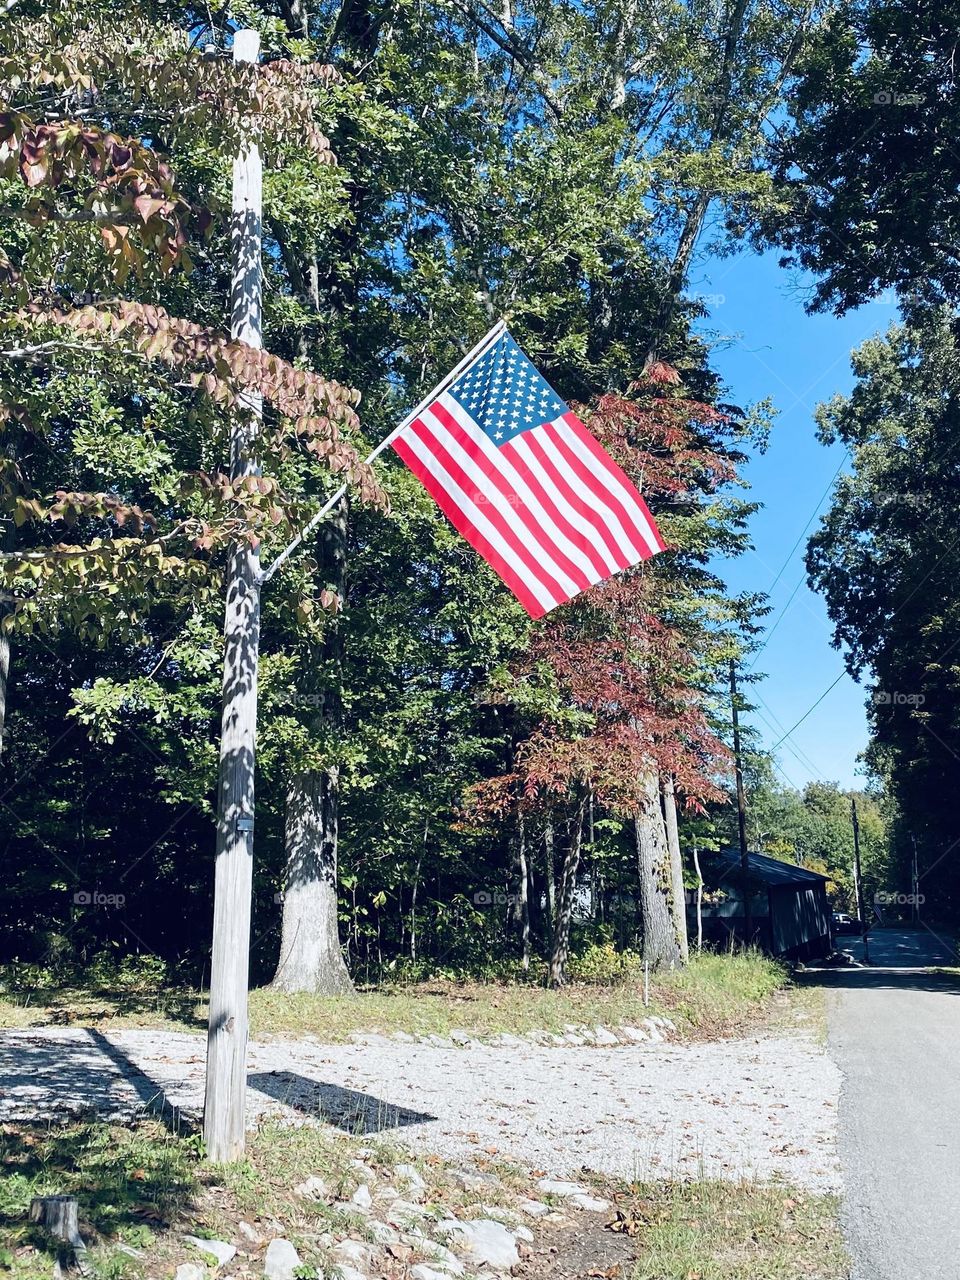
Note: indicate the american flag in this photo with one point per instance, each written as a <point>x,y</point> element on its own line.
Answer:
<point>524,481</point>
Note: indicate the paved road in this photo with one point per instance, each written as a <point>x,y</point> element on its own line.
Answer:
<point>895,1034</point>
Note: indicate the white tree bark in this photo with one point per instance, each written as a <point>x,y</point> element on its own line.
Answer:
<point>310,955</point>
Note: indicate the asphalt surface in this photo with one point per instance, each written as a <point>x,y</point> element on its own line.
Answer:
<point>894,1031</point>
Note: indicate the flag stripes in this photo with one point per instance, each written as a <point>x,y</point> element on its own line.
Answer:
<point>549,510</point>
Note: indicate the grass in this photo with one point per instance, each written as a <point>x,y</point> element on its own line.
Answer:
<point>729,1231</point>
<point>714,995</point>
<point>144,1188</point>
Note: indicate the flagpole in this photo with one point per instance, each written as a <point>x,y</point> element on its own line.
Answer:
<point>474,353</point>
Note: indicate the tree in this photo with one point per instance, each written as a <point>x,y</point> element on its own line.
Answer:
<point>867,173</point>
<point>886,562</point>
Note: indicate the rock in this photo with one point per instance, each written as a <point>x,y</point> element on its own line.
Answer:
<point>572,1038</point>
<point>499,1214</point>
<point>538,1037</point>
<point>387,1195</point>
<point>653,1030</point>
<point>404,1037</point>
<point>422,1272</point>
<point>550,1187</point>
<point>487,1242</point>
<point>218,1249</point>
<point>602,1036</point>
<point>471,1181</point>
<point>250,1234</point>
<point>362,1172</point>
<point>361,1198</point>
<point>592,1204</point>
<point>350,1273</point>
<point>190,1271</point>
<point>441,1042</point>
<point>409,1176</point>
<point>401,1211</point>
<point>534,1208</point>
<point>462,1039</point>
<point>506,1041</point>
<point>524,1234</point>
<point>634,1034</point>
<point>353,1253</point>
<point>586,1034</point>
<point>444,1258</point>
<point>281,1261</point>
<point>383,1233</point>
<point>313,1189</point>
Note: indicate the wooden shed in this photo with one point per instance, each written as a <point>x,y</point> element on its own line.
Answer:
<point>791,912</point>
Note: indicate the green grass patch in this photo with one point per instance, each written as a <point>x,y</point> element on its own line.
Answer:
<point>714,995</point>
<point>733,1231</point>
<point>129,1184</point>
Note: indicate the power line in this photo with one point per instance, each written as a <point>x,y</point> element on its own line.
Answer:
<point>780,616</point>
<point>790,554</point>
<point>813,516</point>
<point>808,712</point>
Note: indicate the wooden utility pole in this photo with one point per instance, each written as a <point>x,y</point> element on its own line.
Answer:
<point>741,811</point>
<point>858,876</point>
<point>226,1085</point>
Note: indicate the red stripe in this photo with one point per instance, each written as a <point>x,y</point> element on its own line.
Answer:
<point>434,442</point>
<point>595,476</point>
<point>539,536</point>
<point>469,531</point>
<point>576,501</point>
<point>607,464</point>
<point>548,496</point>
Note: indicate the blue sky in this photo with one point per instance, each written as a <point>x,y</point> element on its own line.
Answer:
<point>766,345</point>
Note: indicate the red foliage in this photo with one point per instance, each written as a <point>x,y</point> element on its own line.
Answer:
<point>628,703</point>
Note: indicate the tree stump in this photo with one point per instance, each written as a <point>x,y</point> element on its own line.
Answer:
<point>58,1216</point>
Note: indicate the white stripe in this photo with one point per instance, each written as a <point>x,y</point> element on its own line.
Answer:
<point>478,518</point>
<point>541,550</point>
<point>610,519</point>
<point>500,460</point>
<point>614,485</point>
<point>521,446</point>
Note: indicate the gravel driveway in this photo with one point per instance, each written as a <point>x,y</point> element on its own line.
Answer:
<point>762,1107</point>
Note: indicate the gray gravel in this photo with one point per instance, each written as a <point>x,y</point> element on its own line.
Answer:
<point>761,1107</point>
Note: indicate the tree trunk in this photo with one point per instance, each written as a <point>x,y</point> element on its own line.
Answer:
<point>678,902</point>
<point>4,676</point>
<point>564,913</point>
<point>660,947</point>
<point>524,883</point>
<point>551,884</point>
<point>413,893</point>
<point>310,955</point>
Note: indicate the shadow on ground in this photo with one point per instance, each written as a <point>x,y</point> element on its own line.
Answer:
<point>353,1112</point>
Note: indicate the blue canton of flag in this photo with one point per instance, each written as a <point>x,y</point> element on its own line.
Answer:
<point>504,394</point>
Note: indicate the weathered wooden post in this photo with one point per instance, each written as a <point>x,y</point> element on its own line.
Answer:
<point>58,1216</point>
<point>226,1084</point>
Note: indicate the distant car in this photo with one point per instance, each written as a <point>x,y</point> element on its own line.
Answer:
<point>842,923</point>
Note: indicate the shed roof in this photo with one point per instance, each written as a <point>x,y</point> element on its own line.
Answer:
<point>764,869</point>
